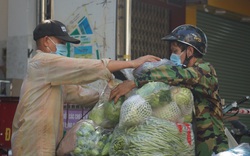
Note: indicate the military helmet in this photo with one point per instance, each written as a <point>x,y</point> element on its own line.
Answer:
<point>190,35</point>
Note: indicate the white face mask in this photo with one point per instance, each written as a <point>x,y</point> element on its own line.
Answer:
<point>61,49</point>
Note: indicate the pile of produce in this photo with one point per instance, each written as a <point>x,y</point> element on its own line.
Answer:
<point>153,137</point>
<point>152,124</point>
<point>171,103</point>
<point>155,120</point>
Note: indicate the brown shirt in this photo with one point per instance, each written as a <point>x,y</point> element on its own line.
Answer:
<point>38,121</point>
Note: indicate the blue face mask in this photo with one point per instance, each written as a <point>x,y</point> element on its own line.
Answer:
<point>176,59</point>
<point>61,49</point>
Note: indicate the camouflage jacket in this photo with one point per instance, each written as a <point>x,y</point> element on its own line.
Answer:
<point>202,80</point>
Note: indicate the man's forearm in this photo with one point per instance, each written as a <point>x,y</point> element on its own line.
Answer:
<point>118,65</point>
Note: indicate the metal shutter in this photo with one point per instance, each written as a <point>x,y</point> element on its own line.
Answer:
<point>150,22</point>
<point>229,53</point>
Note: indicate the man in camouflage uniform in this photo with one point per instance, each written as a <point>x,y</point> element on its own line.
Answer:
<point>188,46</point>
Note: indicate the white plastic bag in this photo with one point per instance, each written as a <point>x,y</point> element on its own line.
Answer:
<point>242,149</point>
<point>231,141</point>
<point>145,67</point>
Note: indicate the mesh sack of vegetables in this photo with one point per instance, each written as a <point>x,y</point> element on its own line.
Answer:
<point>134,110</point>
<point>145,67</point>
<point>85,139</point>
<point>155,93</point>
<point>179,109</point>
<point>168,111</point>
<point>183,97</point>
<point>153,137</point>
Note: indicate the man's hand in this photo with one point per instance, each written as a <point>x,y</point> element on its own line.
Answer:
<point>148,58</point>
<point>122,89</point>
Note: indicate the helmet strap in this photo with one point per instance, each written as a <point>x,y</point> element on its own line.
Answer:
<point>186,61</point>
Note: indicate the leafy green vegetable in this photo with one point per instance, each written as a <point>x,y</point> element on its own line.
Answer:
<point>177,110</point>
<point>97,114</point>
<point>181,95</point>
<point>170,111</point>
<point>77,151</point>
<point>105,150</point>
<point>184,99</point>
<point>156,93</point>
<point>188,118</point>
<point>94,152</point>
<point>88,127</point>
<point>112,111</point>
<point>153,137</point>
<point>91,140</point>
<point>134,110</point>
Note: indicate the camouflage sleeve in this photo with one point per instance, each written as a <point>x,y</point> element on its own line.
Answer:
<point>173,75</point>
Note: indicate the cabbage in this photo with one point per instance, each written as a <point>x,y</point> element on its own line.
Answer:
<point>183,98</point>
<point>176,108</point>
<point>106,114</point>
<point>134,110</point>
<point>181,95</point>
<point>170,111</point>
<point>97,114</point>
<point>188,118</point>
<point>155,93</point>
<point>112,110</point>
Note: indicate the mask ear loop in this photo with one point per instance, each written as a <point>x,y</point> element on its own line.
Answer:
<point>49,47</point>
<point>51,40</point>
